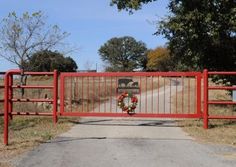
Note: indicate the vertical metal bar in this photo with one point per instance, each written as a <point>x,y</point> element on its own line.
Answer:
<point>62,94</point>
<point>6,107</point>
<point>77,94</point>
<point>170,96</point>
<point>82,99</point>
<point>158,95</point>
<point>99,96</point>
<point>182,95</point>
<point>93,92</point>
<point>10,96</point>
<point>205,113</point>
<point>116,91</point>
<point>140,96</point>
<point>189,95</point>
<point>164,94</point>
<point>198,100</point>
<point>87,94</point>
<point>70,98</point>
<point>152,94</point>
<point>146,95</point>
<point>105,86</point>
<point>111,96</point>
<point>176,96</point>
<point>55,94</point>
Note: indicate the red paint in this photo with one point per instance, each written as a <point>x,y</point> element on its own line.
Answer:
<point>111,110</point>
<point>9,99</point>
<point>55,95</point>
<point>208,102</point>
<point>205,110</point>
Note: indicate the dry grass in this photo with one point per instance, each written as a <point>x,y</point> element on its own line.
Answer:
<point>220,131</point>
<point>27,132</point>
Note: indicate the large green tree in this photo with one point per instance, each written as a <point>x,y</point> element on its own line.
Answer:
<point>124,54</point>
<point>48,61</point>
<point>201,33</point>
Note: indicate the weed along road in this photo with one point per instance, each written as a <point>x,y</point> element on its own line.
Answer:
<point>127,143</point>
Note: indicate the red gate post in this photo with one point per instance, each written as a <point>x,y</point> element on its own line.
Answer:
<point>205,110</point>
<point>6,107</point>
<point>55,94</point>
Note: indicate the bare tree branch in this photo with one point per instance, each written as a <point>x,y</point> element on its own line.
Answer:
<point>20,37</point>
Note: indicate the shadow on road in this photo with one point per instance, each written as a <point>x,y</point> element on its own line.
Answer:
<point>112,122</point>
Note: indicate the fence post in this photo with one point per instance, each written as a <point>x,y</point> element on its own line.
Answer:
<point>6,107</point>
<point>10,82</point>
<point>55,94</point>
<point>205,109</point>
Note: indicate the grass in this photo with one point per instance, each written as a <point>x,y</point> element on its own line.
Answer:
<point>220,131</point>
<point>28,132</point>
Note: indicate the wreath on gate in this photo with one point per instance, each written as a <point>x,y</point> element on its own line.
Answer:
<point>127,108</point>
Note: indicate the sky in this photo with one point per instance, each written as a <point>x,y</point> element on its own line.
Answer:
<point>91,23</point>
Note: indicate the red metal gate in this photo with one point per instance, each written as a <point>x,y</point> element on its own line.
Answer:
<point>160,94</point>
<point>208,88</point>
<point>10,97</point>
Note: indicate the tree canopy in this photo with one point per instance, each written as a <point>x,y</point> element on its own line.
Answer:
<point>21,36</point>
<point>159,60</point>
<point>130,5</point>
<point>124,54</point>
<point>48,61</point>
<point>201,33</point>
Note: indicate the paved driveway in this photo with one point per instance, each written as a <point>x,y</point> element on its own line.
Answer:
<point>127,143</point>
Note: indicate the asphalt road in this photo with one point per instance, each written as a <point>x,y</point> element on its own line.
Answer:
<point>127,143</point>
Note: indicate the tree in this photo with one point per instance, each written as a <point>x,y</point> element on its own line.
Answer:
<point>159,59</point>
<point>201,33</point>
<point>130,5</point>
<point>48,61</point>
<point>20,37</point>
<point>124,54</point>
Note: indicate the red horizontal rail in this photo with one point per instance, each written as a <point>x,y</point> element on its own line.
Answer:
<point>2,86</point>
<point>145,115</point>
<point>18,72</point>
<point>1,100</point>
<point>38,73</point>
<point>32,87</point>
<point>222,88</point>
<point>221,117</point>
<point>31,100</point>
<point>220,102</point>
<point>222,73</point>
<point>32,113</point>
<point>110,74</point>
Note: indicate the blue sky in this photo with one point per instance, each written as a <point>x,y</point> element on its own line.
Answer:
<point>91,24</point>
